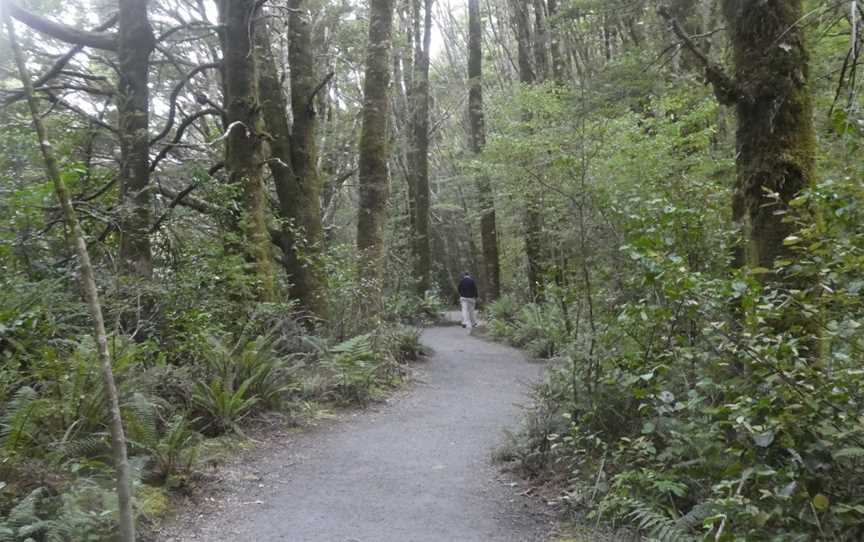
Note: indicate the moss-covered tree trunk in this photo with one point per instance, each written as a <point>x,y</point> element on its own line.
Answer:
<point>418,149</point>
<point>294,163</point>
<point>476,116</point>
<point>135,43</point>
<point>373,139</point>
<point>775,140</point>
<point>244,155</point>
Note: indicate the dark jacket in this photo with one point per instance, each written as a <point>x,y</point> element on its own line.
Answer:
<point>468,288</point>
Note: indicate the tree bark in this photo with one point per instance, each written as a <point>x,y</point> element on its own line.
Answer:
<point>776,140</point>
<point>418,149</point>
<point>532,220</point>
<point>244,155</point>
<point>373,139</point>
<point>91,294</point>
<point>559,67</point>
<point>541,41</point>
<point>135,44</point>
<point>477,121</point>
<point>294,161</point>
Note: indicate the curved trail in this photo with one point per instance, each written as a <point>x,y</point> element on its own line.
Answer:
<point>417,469</point>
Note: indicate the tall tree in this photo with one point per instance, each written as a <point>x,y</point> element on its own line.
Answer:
<point>373,139</point>
<point>91,294</point>
<point>135,44</point>
<point>541,41</point>
<point>244,153</point>
<point>476,117</point>
<point>532,220</point>
<point>775,140</point>
<point>559,67</point>
<point>418,150</point>
<point>295,154</point>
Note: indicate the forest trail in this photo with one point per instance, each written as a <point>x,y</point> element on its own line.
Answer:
<point>418,468</point>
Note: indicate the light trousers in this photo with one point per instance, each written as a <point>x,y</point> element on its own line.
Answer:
<point>469,319</point>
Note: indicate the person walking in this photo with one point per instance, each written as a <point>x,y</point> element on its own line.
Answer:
<point>468,299</point>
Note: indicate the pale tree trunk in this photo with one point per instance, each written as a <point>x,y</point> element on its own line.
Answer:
<point>476,117</point>
<point>418,149</point>
<point>373,175</point>
<point>541,41</point>
<point>559,67</point>
<point>244,155</point>
<point>134,45</point>
<point>91,294</point>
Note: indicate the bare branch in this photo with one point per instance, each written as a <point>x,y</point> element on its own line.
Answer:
<point>98,40</point>
<point>175,92</point>
<point>726,89</point>
<point>179,135</point>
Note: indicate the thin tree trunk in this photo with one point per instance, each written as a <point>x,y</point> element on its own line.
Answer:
<point>559,68</point>
<point>418,150</point>
<point>91,294</point>
<point>373,174</point>
<point>541,41</point>
<point>532,221</point>
<point>476,116</point>
<point>244,155</point>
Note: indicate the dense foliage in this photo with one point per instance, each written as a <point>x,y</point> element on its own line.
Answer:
<point>686,398</point>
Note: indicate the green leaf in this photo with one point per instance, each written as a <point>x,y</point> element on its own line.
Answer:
<point>853,451</point>
<point>821,502</point>
<point>764,439</point>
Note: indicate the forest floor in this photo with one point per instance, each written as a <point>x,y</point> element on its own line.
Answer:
<point>417,467</point>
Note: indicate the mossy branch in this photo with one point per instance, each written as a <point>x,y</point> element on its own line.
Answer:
<point>726,89</point>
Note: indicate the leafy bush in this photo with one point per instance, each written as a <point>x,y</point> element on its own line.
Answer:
<point>403,344</point>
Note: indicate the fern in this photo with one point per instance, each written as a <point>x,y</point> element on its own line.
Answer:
<point>19,423</point>
<point>658,525</point>
<point>353,363</point>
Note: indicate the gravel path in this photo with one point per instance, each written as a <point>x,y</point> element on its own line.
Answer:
<point>417,469</point>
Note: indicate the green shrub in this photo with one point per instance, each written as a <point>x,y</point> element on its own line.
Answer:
<point>403,344</point>
<point>353,364</point>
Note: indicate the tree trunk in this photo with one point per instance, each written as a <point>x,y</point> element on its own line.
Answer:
<point>775,139</point>
<point>532,220</point>
<point>559,68</point>
<point>134,45</point>
<point>476,116</point>
<point>541,41</point>
<point>244,155</point>
<point>91,294</point>
<point>418,149</point>
<point>294,163</point>
<point>373,139</point>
